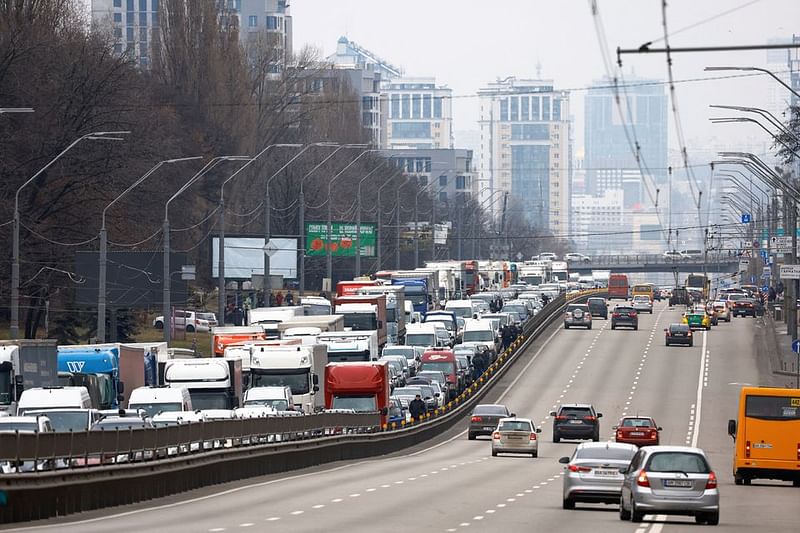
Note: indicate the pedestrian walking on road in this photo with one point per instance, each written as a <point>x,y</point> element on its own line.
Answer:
<point>417,408</point>
<point>279,298</point>
<point>289,298</point>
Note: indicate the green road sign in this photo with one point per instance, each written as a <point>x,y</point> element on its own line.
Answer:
<point>343,239</point>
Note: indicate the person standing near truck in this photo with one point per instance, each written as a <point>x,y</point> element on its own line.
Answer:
<point>417,408</point>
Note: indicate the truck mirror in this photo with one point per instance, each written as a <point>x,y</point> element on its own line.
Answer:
<point>732,428</point>
<point>18,380</point>
<point>120,398</point>
<point>315,379</point>
<point>316,388</point>
<point>121,388</point>
<point>384,411</point>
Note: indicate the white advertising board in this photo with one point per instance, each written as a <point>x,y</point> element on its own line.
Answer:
<point>244,256</point>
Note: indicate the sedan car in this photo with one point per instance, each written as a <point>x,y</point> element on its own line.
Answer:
<point>678,334</point>
<point>576,421</point>
<point>637,430</point>
<point>744,307</point>
<point>642,304</point>
<point>485,418</point>
<point>594,472</point>
<point>515,435</point>
<point>578,315</point>
<point>574,257</point>
<point>624,315</point>
<point>671,480</point>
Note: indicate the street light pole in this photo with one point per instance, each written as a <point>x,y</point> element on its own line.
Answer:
<point>358,214</point>
<point>103,264</point>
<point>380,224</point>
<point>98,135</point>
<point>167,282</point>
<point>397,219</point>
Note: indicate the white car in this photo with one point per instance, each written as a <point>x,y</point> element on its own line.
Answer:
<point>642,304</point>
<point>672,255</point>
<point>574,257</point>
<point>188,320</point>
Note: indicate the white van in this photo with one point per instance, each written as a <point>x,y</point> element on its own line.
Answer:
<point>154,400</point>
<point>462,308</point>
<point>279,398</point>
<point>481,332</point>
<point>39,398</point>
<point>421,335</point>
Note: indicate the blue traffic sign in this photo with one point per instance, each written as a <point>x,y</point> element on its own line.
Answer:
<point>746,218</point>
<point>764,254</point>
<point>796,346</point>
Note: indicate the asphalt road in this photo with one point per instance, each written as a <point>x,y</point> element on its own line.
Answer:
<point>455,485</point>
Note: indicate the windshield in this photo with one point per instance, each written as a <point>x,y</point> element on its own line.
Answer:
<point>690,463</point>
<point>132,423</point>
<point>316,310</point>
<point>519,309</point>
<point>210,399</point>
<point>5,387</point>
<point>344,357</point>
<point>421,339</point>
<point>515,425</point>
<point>448,323</point>
<point>417,299</point>
<point>433,375</point>
<point>19,426</point>
<point>772,407</point>
<point>479,335</point>
<point>464,312</point>
<point>441,366</point>
<point>407,391</point>
<point>359,404</point>
<point>408,353</point>
<point>277,404</point>
<point>296,380</point>
<point>360,321</point>
<point>607,454</point>
<point>490,410</point>
<point>153,409</point>
<point>65,420</point>
<point>636,423</point>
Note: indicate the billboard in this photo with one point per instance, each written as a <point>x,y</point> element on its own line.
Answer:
<point>244,256</point>
<point>343,239</point>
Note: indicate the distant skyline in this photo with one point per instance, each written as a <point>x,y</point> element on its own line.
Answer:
<point>467,44</point>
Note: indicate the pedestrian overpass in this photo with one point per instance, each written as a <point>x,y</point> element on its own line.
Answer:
<point>643,263</point>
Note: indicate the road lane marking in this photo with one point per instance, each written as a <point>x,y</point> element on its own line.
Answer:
<point>699,400</point>
<point>321,505</point>
<point>272,519</point>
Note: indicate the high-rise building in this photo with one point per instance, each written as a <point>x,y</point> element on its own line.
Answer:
<point>525,150</point>
<point>132,23</point>
<point>349,54</point>
<point>445,173</point>
<point>419,114</point>
<point>609,158</point>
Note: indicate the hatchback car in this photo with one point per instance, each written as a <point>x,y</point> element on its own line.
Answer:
<point>598,307</point>
<point>722,310</point>
<point>671,480</point>
<point>578,315</point>
<point>624,315</point>
<point>678,334</point>
<point>594,472</point>
<point>576,421</point>
<point>697,320</point>
<point>515,435</point>
<point>637,430</point>
<point>485,418</point>
<point>642,304</point>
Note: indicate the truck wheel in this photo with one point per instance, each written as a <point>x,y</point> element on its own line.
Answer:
<point>796,483</point>
<point>189,328</point>
<point>470,436</point>
<point>159,325</point>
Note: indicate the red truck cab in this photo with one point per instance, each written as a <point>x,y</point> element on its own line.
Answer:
<point>443,361</point>
<point>363,387</point>
<point>347,288</point>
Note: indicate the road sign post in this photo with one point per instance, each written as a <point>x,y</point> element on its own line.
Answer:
<point>746,218</point>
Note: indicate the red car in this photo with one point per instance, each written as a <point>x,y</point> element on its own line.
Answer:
<point>638,430</point>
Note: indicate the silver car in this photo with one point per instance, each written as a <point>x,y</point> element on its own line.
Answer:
<point>671,480</point>
<point>515,435</point>
<point>594,472</point>
<point>578,315</point>
<point>643,304</point>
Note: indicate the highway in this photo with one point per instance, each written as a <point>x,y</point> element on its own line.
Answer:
<point>453,484</point>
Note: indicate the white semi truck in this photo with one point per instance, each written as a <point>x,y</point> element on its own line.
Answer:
<point>302,368</point>
<point>213,383</point>
<point>358,346</point>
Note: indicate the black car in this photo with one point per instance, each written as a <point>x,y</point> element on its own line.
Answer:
<point>576,421</point>
<point>624,315</point>
<point>484,419</point>
<point>598,307</point>
<point>678,334</point>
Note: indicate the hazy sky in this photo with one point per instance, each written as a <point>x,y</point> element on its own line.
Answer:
<point>467,43</point>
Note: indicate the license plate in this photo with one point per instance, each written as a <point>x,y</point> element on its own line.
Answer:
<point>575,422</point>
<point>636,434</point>
<point>678,334</point>
<point>606,473</point>
<point>678,483</point>
<point>488,428</point>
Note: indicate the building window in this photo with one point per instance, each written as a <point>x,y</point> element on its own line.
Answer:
<point>535,108</point>
<point>525,108</point>
<point>234,5</point>
<point>118,33</point>
<point>154,3</point>
<point>272,23</point>
<point>142,49</point>
<point>416,106</point>
<point>437,107</point>
<point>118,49</point>
<point>530,132</point>
<point>406,108</point>
<point>411,130</point>
<point>426,106</point>
<point>130,18</point>
<point>118,3</point>
<point>143,34</point>
<point>395,106</point>
<point>514,108</point>
<point>461,182</point>
<point>142,19</point>
<point>556,109</point>
<point>118,18</point>
<point>129,5</point>
<point>443,180</point>
<point>442,197</point>
<point>546,108</point>
<point>142,5</point>
<point>504,109</point>
<point>155,18</point>
<point>252,21</point>
<point>129,34</point>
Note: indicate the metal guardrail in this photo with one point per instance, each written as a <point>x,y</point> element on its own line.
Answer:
<point>649,259</point>
<point>60,492</point>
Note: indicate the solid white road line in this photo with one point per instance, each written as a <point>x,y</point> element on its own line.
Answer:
<point>699,401</point>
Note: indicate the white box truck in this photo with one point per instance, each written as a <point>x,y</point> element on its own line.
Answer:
<point>213,383</point>
<point>301,368</point>
<point>351,346</point>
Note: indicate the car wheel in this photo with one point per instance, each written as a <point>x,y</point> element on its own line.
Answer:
<point>636,516</point>
<point>556,438</point>
<point>712,519</point>
<point>623,514</point>
<point>159,325</point>
<point>737,479</point>
<point>613,326</point>
<point>796,483</point>
<point>189,328</point>
<point>636,327</point>
<point>535,454</point>
<point>567,503</point>
<point>471,436</point>
<point>666,343</point>
<point>494,453</point>
<point>566,326</point>
<point>596,437</point>
<point>589,326</point>
<point>691,344</point>
<point>747,480</point>
<point>700,518</point>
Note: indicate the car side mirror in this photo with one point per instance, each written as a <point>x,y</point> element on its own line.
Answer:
<point>614,427</point>
<point>659,428</point>
<point>564,460</point>
<point>732,428</point>
<point>316,388</point>
<point>552,413</point>
<point>666,329</point>
<point>538,430</point>
<point>436,394</point>
<point>599,415</point>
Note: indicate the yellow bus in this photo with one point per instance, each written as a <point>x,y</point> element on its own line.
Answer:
<point>767,435</point>
<point>647,289</point>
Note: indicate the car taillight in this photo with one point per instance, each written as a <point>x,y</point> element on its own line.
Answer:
<point>590,418</point>
<point>653,434</point>
<point>747,449</point>
<point>798,451</point>
<point>689,334</point>
<point>533,436</point>
<point>475,419</point>
<point>615,315</point>
<point>620,435</point>
<point>576,468</point>
<point>642,480</point>
<point>561,418</point>
<point>496,435</point>
<point>632,315</point>
<point>712,481</point>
